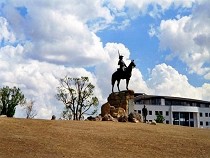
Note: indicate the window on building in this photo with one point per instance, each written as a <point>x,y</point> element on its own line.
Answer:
<point>201,123</point>
<point>166,113</point>
<point>156,101</point>
<point>167,102</point>
<point>177,102</point>
<point>202,105</point>
<point>206,114</point>
<point>207,123</point>
<point>139,111</point>
<point>182,114</point>
<point>198,105</point>
<point>158,112</point>
<point>201,114</point>
<point>176,115</point>
<point>209,114</point>
<point>191,123</point>
<point>191,115</point>
<point>193,104</point>
<point>167,121</point>
<point>150,112</point>
<point>135,111</point>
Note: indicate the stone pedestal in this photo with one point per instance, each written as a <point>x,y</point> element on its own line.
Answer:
<point>119,103</point>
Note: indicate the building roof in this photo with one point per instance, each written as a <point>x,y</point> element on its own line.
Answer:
<point>143,96</point>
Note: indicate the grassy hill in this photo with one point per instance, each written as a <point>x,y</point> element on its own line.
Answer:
<point>22,138</point>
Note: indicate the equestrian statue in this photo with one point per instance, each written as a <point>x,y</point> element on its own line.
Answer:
<point>124,72</point>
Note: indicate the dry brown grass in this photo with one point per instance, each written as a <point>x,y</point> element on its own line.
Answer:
<point>21,138</point>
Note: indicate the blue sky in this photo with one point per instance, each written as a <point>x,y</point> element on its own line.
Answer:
<point>42,41</point>
<point>145,49</point>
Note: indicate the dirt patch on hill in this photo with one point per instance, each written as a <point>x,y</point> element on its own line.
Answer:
<point>45,138</point>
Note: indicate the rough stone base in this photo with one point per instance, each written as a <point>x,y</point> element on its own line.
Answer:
<point>118,104</point>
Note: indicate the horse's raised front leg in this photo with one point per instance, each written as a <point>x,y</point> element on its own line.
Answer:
<point>127,82</point>
<point>118,83</point>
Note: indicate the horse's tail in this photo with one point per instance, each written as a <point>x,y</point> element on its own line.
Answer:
<point>113,80</point>
<point>114,77</point>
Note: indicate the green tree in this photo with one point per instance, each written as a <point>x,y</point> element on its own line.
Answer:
<point>9,99</point>
<point>159,118</point>
<point>77,95</point>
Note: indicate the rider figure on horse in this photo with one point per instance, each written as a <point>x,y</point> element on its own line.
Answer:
<point>122,64</point>
<point>124,72</point>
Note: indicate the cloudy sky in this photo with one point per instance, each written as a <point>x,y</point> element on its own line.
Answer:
<point>42,41</point>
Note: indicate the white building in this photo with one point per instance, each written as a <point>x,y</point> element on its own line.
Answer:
<point>175,110</point>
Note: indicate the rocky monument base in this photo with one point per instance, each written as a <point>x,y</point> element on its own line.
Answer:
<point>119,105</point>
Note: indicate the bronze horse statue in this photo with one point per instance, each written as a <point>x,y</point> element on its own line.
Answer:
<point>118,75</point>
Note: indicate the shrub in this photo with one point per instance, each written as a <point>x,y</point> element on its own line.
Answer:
<point>159,118</point>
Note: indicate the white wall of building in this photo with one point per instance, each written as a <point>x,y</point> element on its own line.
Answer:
<point>201,115</point>
<point>151,111</point>
<point>204,117</point>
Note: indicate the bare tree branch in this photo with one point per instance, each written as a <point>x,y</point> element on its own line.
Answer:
<point>29,109</point>
<point>77,95</point>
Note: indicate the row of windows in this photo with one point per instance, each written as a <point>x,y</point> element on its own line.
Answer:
<point>167,113</point>
<point>207,123</point>
<point>172,102</point>
<point>157,101</point>
<point>185,103</point>
<point>206,114</point>
<point>156,112</point>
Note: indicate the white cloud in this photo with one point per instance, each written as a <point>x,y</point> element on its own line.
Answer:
<point>205,91</point>
<point>56,33</point>
<point>61,32</point>
<point>52,39</point>
<point>117,5</point>
<point>152,31</point>
<point>5,34</point>
<point>105,70</point>
<point>207,76</point>
<point>188,38</point>
<point>134,8</point>
<point>37,80</point>
<point>165,80</point>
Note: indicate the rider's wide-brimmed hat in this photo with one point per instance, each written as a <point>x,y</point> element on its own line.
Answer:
<point>121,56</point>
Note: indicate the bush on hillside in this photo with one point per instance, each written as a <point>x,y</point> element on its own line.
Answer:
<point>159,118</point>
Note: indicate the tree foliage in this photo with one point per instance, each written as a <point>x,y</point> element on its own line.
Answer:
<point>77,95</point>
<point>9,99</point>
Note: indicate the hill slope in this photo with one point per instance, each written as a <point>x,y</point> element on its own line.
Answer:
<point>46,138</point>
